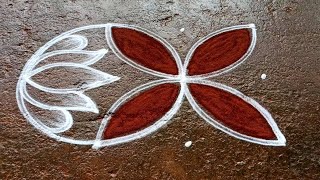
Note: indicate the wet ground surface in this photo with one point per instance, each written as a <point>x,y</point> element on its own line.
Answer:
<point>287,51</point>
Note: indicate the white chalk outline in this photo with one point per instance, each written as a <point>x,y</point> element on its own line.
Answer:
<point>106,78</point>
<point>142,133</point>
<point>181,78</point>
<point>253,33</point>
<point>280,138</point>
<point>77,43</point>
<point>124,58</point>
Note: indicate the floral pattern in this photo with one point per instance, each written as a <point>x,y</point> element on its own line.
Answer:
<point>146,108</point>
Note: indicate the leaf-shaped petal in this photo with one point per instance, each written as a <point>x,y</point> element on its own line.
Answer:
<point>142,110</point>
<point>70,42</point>
<point>96,78</point>
<point>62,122</point>
<point>72,56</point>
<point>74,101</point>
<point>138,113</point>
<point>55,121</point>
<point>143,50</point>
<point>234,113</point>
<point>221,51</point>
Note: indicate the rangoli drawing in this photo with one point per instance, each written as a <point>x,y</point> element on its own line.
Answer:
<point>146,108</point>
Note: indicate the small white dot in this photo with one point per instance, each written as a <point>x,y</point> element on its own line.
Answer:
<point>188,144</point>
<point>182,29</point>
<point>263,76</point>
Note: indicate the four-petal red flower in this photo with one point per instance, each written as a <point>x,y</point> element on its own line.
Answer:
<point>145,109</point>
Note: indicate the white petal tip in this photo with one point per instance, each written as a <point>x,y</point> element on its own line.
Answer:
<point>95,110</point>
<point>108,80</point>
<point>279,142</point>
<point>282,142</point>
<point>104,51</point>
<point>91,108</point>
<point>251,25</point>
<point>281,139</point>
<point>116,78</point>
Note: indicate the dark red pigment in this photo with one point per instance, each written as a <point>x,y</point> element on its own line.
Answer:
<point>232,111</point>
<point>144,50</point>
<point>142,110</point>
<point>219,51</point>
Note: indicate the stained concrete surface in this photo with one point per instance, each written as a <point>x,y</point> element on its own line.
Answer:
<point>287,51</point>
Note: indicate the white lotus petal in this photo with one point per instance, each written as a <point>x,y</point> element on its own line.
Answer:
<point>100,78</point>
<point>70,42</point>
<point>75,101</point>
<point>55,121</point>
<point>89,57</point>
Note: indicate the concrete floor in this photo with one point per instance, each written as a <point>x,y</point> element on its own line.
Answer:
<point>287,51</point>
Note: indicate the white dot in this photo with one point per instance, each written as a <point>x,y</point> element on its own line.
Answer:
<point>263,76</point>
<point>182,29</point>
<point>188,144</point>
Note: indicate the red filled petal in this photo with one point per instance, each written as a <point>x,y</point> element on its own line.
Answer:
<point>144,50</point>
<point>219,51</point>
<point>142,111</point>
<point>232,111</point>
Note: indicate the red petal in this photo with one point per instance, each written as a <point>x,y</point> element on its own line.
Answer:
<point>144,50</point>
<point>142,110</point>
<point>232,111</point>
<point>219,51</point>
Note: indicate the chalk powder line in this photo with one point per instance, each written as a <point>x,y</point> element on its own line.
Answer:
<point>179,81</point>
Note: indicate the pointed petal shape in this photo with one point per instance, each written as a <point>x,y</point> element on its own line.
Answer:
<point>73,101</point>
<point>62,44</point>
<point>72,56</point>
<point>62,123</point>
<point>140,112</point>
<point>70,42</point>
<point>220,51</point>
<point>55,121</point>
<point>234,113</point>
<point>144,50</point>
<point>97,78</point>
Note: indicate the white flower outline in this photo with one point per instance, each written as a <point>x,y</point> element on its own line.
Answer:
<point>78,43</point>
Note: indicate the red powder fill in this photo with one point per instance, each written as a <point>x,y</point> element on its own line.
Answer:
<point>142,110</point>
<point>219,52</point>
<point>232,111</point>
<point>144,50</point>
